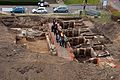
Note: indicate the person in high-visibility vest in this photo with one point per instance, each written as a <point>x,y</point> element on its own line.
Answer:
<point>62,39</point>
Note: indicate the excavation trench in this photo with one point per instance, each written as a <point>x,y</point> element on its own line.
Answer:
<point>29,32</point>
<point>87,45</point>
<point>33,34</point>
<point>30,59</point>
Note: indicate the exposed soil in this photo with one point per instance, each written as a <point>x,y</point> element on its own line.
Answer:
<point>111,30</point>
<point>38,46</point>
<point>18,63</point>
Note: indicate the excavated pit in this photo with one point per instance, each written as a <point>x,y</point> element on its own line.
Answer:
<point>84,41</point>
<point>34,30</point>
<point>19,63</point>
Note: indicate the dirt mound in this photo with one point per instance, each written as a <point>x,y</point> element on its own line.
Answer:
<point>4,34</point>
<point>109,29</point>
<point>55,70</point>
<point>112,31</point>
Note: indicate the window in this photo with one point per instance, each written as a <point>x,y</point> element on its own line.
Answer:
<point>41,9</point>
<point>64,8</point>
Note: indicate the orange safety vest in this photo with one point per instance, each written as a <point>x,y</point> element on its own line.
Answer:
<point>62,35</point>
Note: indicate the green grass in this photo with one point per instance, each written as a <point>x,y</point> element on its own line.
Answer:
<point>90,2</point>
<point>2,14</point>
<point>116,13</point>
<point>18,2</point>
<point>104,18</point>
<point>51,15</point>
<point>24,0</point>
<point>72,15</point>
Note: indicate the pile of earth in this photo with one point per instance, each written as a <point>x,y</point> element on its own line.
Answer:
<point>112,31</point>
<point>17,63</point>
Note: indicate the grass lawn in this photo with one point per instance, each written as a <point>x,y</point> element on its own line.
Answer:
<point>105,17</point>
<point>19,2</point>
<point>23,0</point>
<point>2,14</point>
<point>116,13</point>
<point>90,2</point>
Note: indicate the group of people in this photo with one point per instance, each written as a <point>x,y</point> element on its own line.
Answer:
<point>60,36</point>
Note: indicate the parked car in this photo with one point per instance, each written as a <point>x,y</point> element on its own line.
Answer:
<point>40,10</point>
<point>61,9</point>
<point>43,3</point>
<point>93,12</point>
<point>18,10</point>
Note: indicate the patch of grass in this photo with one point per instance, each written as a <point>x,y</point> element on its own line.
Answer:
<point>72,15</point>
<point>73,1</point>
<point>2,14</point>
<point>90,2</point>
<point>18,2</point>
<point>116,13</point>
<point>51,15</point>
<point>104,18</point>
<point>24,0</point>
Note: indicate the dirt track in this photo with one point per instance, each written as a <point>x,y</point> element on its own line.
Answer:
<point>17,63</point>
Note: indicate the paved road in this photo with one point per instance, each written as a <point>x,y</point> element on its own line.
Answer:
<point>72,8</point>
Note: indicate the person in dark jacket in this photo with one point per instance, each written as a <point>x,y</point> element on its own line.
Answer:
<point>54,21</point>
<point>55,28</point>
<point>86,1</point>
<point>52,28</point>
<point>53,25</point>
<point>57,36</point>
